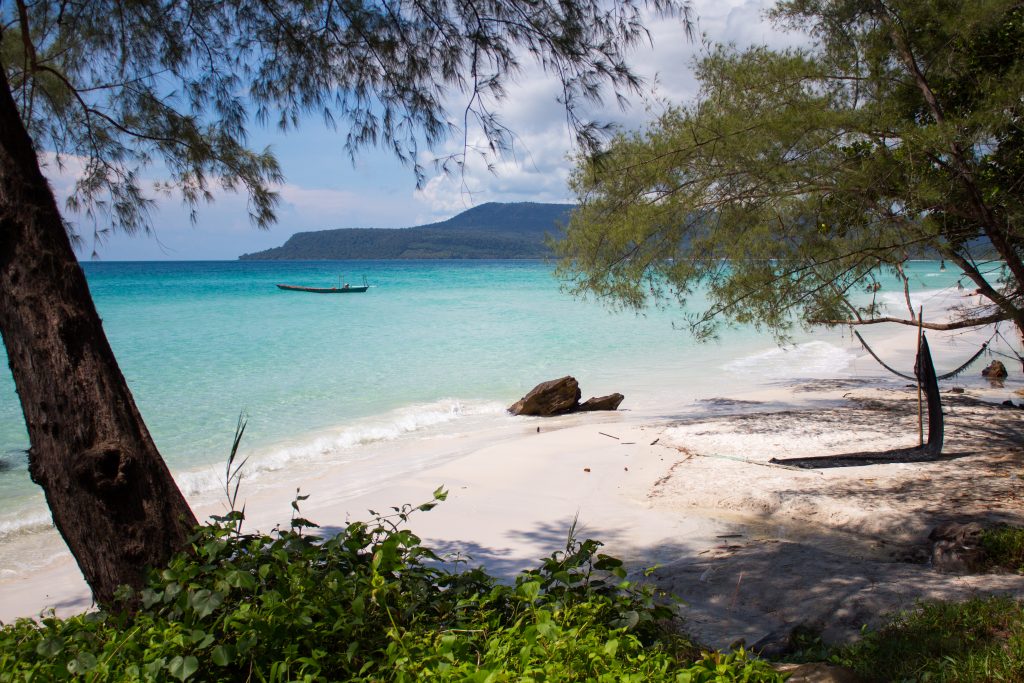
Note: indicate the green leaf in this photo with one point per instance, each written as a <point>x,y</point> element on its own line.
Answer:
<point>124,593</point>
<point>358,606</point>
<point>50,646</point>
<point>627,620</point>
<point>82,663</point>
<point>205,601</point>
<point>240,579</point>
<point>529,590</point>
<point>171,591</point>
<point>607,562</point>
<point>183,667</point>
<point>201,639</point>
<point>153,668</point>
<point>213,548</point>
<point>221,655</point>
<point>150,597</point>
<point>245,644</point>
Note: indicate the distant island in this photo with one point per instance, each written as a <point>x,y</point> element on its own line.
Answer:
<point>488,231</point>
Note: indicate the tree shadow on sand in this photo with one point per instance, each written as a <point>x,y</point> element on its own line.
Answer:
<point>928,451</point>
<point>984,423</point>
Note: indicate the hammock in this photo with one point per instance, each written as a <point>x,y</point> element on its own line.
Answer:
<point>925,371</point>
<point>912,378</point>
<point>930,450</point>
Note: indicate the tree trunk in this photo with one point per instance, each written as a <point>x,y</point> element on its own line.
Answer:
<point>111,494</point>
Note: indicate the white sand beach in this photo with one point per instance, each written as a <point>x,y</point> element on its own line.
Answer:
<point>751,547</point>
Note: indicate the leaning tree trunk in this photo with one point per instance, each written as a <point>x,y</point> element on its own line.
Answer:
<point>111,495</point>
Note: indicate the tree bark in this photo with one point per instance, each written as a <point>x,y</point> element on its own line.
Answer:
<point>110,493</point>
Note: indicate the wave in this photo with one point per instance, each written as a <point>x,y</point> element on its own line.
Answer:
<point>31,522</point>
<point>812,359</point>
<point>415,421</point>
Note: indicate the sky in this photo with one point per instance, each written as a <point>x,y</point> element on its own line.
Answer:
<point>323,189</point>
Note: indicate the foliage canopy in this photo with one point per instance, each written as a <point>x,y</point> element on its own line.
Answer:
<point>798,175</point>
<point>120,85</point>
<point>370,604</point>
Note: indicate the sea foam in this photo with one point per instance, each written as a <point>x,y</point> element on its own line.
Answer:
<point>813,359</point>
<point>26,523</point>
<point>350,442</point>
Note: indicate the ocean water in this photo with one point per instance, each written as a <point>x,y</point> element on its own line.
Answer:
<point>432,350</point>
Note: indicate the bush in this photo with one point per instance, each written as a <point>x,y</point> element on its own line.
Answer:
<point>370,604</point>
<point>1004,547</point>
<point>971,642</point>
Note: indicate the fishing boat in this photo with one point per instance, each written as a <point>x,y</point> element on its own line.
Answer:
<point>340,289</point>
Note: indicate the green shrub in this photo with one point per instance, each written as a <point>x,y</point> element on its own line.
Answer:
<point>369,604</point>
<point>971,642</point>
<point>1004,547</point>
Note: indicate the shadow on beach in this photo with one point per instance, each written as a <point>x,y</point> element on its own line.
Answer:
<point>833,548</point>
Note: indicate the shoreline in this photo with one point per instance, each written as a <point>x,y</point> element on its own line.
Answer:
<point>662,494</point>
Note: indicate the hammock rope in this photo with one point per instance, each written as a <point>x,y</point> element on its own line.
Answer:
<point>963,367</point>
<point>880,361</point>
<point>913,378</point>
<point>1016,356</point>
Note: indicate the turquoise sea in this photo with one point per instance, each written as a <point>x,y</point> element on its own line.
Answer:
<point>432,350</point>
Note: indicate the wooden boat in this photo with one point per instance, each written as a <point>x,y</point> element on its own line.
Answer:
<point>344,289</point>
<point>340,289</point>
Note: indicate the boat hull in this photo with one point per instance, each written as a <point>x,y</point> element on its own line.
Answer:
<point>325,290</point>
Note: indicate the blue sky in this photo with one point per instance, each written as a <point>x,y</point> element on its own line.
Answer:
<point>323,189</point>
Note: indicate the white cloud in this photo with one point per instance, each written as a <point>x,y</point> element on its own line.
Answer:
<point>223,229</point>
<point>324,190</point>
<point>540,167</point>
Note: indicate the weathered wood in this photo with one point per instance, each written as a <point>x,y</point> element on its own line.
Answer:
<point>112,498</point>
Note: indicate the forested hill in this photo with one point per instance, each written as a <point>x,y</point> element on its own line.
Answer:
<point>488,231</point>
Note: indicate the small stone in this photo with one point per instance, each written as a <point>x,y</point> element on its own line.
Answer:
<point>995,370</point>
<point>955,547</point>
<point>586,469</point>
<point>784,640</point>
<point>775,644</point>
<point>956,390</point>
<point>609,402</point>
<point>817,672</point>
<point>955,531</point>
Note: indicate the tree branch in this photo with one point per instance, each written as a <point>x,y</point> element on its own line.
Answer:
<point>953,325</point>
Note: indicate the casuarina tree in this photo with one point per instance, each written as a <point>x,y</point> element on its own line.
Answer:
<point>797,177</point>
<point>115,86</point>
